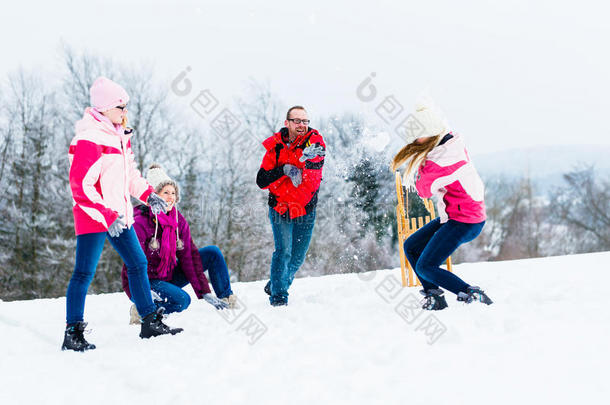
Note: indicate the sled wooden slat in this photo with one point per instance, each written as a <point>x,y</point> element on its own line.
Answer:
<point>403,259</point>
<point>406,227</point>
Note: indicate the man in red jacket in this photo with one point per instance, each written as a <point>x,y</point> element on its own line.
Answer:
<point>292,172</point>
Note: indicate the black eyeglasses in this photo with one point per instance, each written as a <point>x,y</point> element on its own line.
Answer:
<point>121,107</point>
<point>298,121</point>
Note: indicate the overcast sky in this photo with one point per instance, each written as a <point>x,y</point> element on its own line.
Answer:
<point>507,73</point>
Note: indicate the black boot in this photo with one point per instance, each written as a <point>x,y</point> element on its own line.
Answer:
<point>434,300</point>
<point>74,338</point>
<point>152,325</point>
<point>474,293</point>
<point>279,303</point>
<point>268,288</point>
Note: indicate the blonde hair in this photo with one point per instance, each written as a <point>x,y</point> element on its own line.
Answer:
<point>415,154</point>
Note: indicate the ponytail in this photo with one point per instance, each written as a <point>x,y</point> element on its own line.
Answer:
<point>415,154</point>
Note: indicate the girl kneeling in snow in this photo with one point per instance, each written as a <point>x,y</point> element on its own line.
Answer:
<point>173,259</point>
<point>443,169</point>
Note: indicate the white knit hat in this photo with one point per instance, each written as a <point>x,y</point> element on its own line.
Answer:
<point>157,178</point>
<point>429,119</point>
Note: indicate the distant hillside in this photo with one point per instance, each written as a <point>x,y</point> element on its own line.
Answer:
<point>544,164</point>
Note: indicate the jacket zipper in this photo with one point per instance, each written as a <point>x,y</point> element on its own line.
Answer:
<point>124,181</point>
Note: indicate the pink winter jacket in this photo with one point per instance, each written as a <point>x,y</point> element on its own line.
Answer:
<point>103,174</point>
<point>449,174</point>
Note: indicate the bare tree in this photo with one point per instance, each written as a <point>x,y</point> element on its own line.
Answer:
<point>583,206</point>
<point>260,110</point>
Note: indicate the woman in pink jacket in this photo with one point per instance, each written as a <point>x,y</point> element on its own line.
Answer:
<point>103,176</point>
<point>443,169</point>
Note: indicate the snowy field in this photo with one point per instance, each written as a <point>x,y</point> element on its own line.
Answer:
<point>344,339</point>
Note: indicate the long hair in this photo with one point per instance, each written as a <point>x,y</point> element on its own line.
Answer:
<point>415,154</point>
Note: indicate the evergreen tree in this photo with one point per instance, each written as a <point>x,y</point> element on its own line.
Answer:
<point>371,183</point>
<point>416,205</point>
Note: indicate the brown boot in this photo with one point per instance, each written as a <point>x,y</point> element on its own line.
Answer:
<point>232,301</point>
<point>134,316</point>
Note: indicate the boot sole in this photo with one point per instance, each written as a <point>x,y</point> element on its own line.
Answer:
<point>171,332</point>
<point>84,349</point>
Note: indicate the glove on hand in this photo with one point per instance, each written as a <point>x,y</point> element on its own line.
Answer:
<point>312,151</point>
<point>117,227</point>
<point>218,304</point>
<point>294,173</point>
<point>157,204</point>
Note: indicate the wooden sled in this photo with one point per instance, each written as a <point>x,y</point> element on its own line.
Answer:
<point>406,227</point>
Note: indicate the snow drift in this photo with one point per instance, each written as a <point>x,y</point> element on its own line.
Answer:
<point>354,338</point>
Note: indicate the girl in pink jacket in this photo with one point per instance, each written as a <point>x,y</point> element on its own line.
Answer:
<point>103,176</point>
<point>442,169</point>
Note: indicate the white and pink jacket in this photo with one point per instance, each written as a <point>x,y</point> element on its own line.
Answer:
<point>449,174</point>
<point>103,174</point>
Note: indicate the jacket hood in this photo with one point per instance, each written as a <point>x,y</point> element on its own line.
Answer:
<point>93,119</point>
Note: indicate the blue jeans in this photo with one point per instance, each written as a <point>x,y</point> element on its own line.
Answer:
<point>214,262</point>
<point>88,251</point>
<point>291,238</point>
<point>175,299</point>
<point>430,247</point>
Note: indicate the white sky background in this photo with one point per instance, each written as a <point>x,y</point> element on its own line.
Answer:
<point>507,73</point>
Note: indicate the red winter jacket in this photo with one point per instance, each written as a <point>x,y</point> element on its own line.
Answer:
<point>284,197</point>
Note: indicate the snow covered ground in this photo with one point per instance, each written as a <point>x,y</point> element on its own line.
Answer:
<point>343,339</point>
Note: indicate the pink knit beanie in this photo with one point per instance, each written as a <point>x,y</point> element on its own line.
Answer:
<point>106,94</point>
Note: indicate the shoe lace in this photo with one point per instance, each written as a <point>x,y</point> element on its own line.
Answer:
<point>475,294</point>
<point>478,295</point>
<point>428,301</point>
<point>79,334</point>
<point>482,297</point>
<point>158,320</point>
